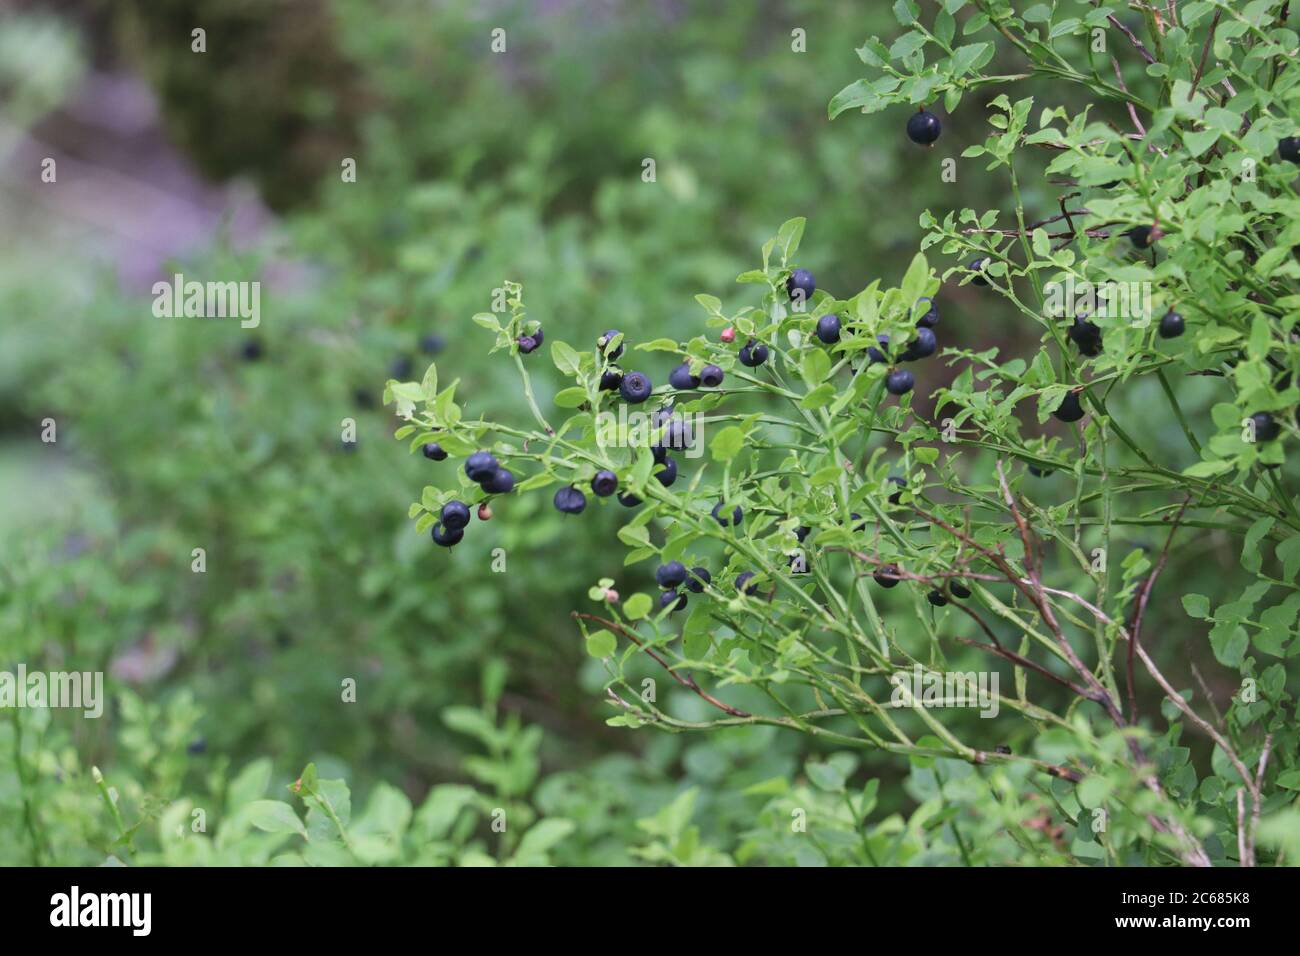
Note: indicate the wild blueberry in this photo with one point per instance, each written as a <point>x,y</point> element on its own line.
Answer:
<point>401,367</point>
<point>1266,429</point>
<point>897,496</point>
<point>931,317</point>
<point>1038,472</point>
<point>958,590</point>
<point>1069,410</point>
<point>977,266</point>
<point>667,472</point>
<point>699,577</point>
<point>711,376</point>
<point>802,533</point>
<point>828,329</point>
<point>196,746</point>
<point>251,351</point>
<point>736,515</point>
<point>635,388</point>
<point>610,379</point>
<point>681,377</point>
<point>1140,236</point>
<point>742,583</point>
<point>727,335</point>
<point>1289,148</point>
<point>628,500</point>
<point>753,354</point>
<point>363,398</point>
<point>431,344</point>
<point>899,382</point>
<point>1002,749</point>
<point>570,500</point>
<point>484,512</point>
<point>936,598</point>
<point>604,484</point>
<point>800,286</point>
<point>879,355</point>
<point>923,128</point>
<point>670,575</point>
<point>527,344</point>
<point>500,482</point>
<point>887,576</point>
<point>923,346</point>
<point>434,451</point>
<point>672,600</point>
<point>1086,335</point>
<point>446,536</point>
<point>454,515</point>
<point>479,465</point>
<point>603,342</point>
<point>537,336</point>
<point>1171,325</point>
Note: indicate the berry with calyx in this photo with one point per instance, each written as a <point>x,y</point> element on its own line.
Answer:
<point>602,343</point>
<point>484,512</point>
<point>923,346</point>
<point>958,590</point>
<point>699,577</point>
<point>479,465</point>
<point>897,496</point>
<point>931,317</point>
<point>742,583</point>
<point>936,598</point>
<point>672,600</point>
<point>635,388</point>
<point>727,335</point>
<point>1141,236</point>
<point>977,266</point>
<point>446,537</point>
<point>570,500</point>
<point>1171,325</point>
<point>753,354</point>
<point>1266,428</point>
<point>670,575</point>
<point>681,377</point>
<point>527,344</point>
<point>628,500</point>
<point>923,128</point>
<point>828,329</point>
<point>454,515</point>
<point>433,450</point>
<point>667,472</point>
<point>1069,410</point>
<point>899,382</point>
<point>431,344</point>
<point>800,286</point>
<point>1289,148</point>
<point>736,515</point>
<point>500,482</point>
<point>610,380</point>
<point>604,484</point>
<point>711,376</point>
<point>887,576</point>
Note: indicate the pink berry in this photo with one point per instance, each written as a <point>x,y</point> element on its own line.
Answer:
<point>728,334</point>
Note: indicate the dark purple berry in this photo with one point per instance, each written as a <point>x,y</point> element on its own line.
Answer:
<point>604,484</point>
<point>434,451</point>
<point>753,354</point>
<point>923,128</point>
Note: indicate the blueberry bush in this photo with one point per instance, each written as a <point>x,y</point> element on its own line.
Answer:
<point>816,529</point>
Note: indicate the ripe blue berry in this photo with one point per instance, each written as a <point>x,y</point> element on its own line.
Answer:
<point>828,329</point>
<point>1038,472</point>
<point>899,382</point>
<point>931,317</point>
<point>401,367</point>
<point>1069,410</point>
<point>886,576</point>
<point>635,388</point>
<point>753,354</point>
<point>667,472</point>
<point>602,343</point>
<point>610,380</point>
<point>699,577</point>
<point>1289,148</point>
<point>454,515</point>
<point>923,346</point>
<point>1086,335</point>
<point>923,128</point>
<point>742,583</point>
<point>736,515</point>
<point>802,534</point>
<point>1171,325</point>
<point>527,344</point>
<point>431,344</point>
<point>681,377</point>
<point>628,500</point>
<point>446,537</point>
<point>604,484</point>
<point>570,500</point>
<point>1140,236</point>
<point>711,376</point>
<point>800,286</point>
<point>479,465</point>
<point>670,575</point>
<point>977,266</point>
<point>500,482</point>
<point>879,355</point>
<point>434,451</point>
<point>251,350</point>
<point>936,598</point>
<point>897,496</point>
<point>672,600</point>
<point>958,590</point>
<point>1266,429</point>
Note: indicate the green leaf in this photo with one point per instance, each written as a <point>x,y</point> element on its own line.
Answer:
<point>1196,605</point>
<point>727,443</point>
<point>571,397</point>
<point>1251,557</point>
<point>601,643</point>
<point>273,816</point>
<point>637,606</point>
<point>816,366</point>
<point>566,359</point>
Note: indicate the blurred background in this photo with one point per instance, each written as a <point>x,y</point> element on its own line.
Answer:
<point>471,167</point>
